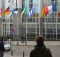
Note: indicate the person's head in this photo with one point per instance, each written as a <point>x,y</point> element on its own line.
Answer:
<point>40,40</point>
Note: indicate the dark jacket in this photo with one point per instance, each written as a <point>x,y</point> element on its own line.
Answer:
<point>2,46</point>
<point>23,38</point>
<point>40,52</point>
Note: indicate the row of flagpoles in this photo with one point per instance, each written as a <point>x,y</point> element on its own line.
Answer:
<point>46,10</point>
<point>7,11</point>
<point>10,9</point>
<point>32,11</point>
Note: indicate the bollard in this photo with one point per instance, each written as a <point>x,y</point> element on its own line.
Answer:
<point>25,42</point>
<point>11,52</point>
<point>9,41</point>
<point>23,53</point>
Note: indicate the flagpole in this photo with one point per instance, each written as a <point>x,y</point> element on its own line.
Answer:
<point>16,3</point>
<point>56,21</point>
<point>56,27</point>
<point>36,24</point>
<point>53,21</point>
<point>17,19</point>
<point>26,27</point>
<point>26,22</point>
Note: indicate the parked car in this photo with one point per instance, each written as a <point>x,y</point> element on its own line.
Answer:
<point>7,46</point>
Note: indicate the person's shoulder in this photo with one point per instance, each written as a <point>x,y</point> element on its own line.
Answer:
<point>33,50</point>
<point>48,50</point>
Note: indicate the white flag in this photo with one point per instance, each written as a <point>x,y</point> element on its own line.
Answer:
<point>33,10</point>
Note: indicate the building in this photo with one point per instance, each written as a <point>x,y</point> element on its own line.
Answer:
<point>10,24</point>
<point>49,26</point>
<point>32,26</point>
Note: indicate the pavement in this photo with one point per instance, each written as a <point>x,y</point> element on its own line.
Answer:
<point>34,43</point>
<point>18,48</point>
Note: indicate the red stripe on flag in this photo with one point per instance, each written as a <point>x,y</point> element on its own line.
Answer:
<point>0,11</point>
<point>46,10</point>
<point>7,11</point>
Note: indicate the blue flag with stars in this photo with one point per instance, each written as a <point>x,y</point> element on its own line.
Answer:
<point>54,7</point>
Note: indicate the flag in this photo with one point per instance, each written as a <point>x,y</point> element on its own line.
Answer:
<point>42,15</point>
<point>45,9</point>
<point>52,8</point>
<point>24,12</point>
<point>15,9</point>
<point>0,11</point>
<point>10,14</point>
<point>48,10</point>
<point>34,15</point>
<point>33,10</point>
<point>6,12</point>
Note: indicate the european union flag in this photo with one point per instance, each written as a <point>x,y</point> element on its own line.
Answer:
<point>54,7</point>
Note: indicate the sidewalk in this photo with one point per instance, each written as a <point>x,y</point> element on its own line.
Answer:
<point>34,43</point>
<point>18,50</point>
<point>11,56</point>
<point>8,55</point>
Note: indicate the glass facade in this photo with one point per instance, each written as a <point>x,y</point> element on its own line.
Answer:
<point>9,22</point>
<point>51,22</point>
<point>34,25</point>
<point>30,25</point>
<point>49,26</point>
<point>5,19</point>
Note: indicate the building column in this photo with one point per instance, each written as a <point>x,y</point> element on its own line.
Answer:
<point>3,18</point>
<point>40,6</point>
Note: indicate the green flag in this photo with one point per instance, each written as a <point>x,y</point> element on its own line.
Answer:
<point>24,11</point>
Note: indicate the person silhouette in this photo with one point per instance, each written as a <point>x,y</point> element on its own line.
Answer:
<point>2,49</point>
<point>40,49</point>
<point>23,39</point>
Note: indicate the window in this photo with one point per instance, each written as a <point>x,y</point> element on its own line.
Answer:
<point>23,4</point>
<point>30,4</point>
<point>11,25</point>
